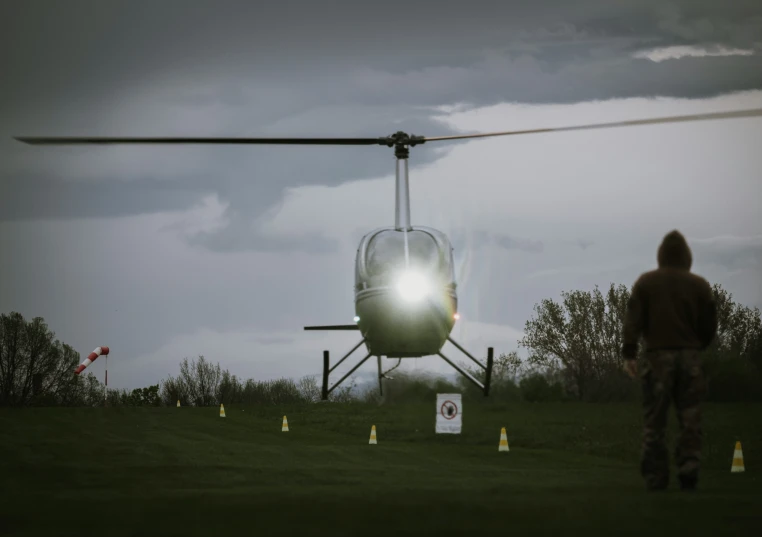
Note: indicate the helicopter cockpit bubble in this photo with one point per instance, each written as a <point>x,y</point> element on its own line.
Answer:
<point>382,261</point>
<point>405,294</point>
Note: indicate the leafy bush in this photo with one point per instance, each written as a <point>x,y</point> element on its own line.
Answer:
<point>537,388</point>
<point>731,379</point>
<point>421,387</point>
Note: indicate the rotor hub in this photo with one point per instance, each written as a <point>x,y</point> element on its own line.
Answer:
<point>401,142</point>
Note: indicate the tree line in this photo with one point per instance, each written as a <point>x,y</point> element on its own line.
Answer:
<point>573,353</point>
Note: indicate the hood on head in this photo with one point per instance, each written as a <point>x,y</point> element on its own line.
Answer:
<point>674,252</point>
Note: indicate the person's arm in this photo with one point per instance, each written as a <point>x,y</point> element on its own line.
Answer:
<point>634,321</point>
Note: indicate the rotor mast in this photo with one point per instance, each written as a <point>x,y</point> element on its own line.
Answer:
<point>402,190</point>
<point>402,142</point>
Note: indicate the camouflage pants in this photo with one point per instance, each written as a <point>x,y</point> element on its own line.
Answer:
<point>671,376</point>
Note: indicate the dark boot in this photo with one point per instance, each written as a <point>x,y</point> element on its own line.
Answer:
<point>656,483</point>
<point>687,483</point>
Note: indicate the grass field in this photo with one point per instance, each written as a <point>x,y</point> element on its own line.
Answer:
<point>571,470</point>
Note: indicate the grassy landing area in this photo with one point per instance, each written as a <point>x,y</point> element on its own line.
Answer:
<point>572,469</point>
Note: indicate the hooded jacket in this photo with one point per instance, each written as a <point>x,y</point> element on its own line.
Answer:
<point>670,307</point>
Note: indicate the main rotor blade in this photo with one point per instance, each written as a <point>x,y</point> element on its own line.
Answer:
<point>334,327</point>
<point>390,141</point>
<point>672,119</point>
<point>74,140</point>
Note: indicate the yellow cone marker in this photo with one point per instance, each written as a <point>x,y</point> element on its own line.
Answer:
<point>737,465</point>
<point>222,410</point>
<point>373,435</point>
<point>503,441</point>
<point>178,403</point>
<point>285,425</point>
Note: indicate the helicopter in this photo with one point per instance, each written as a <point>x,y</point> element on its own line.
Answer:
<point>406,301</point>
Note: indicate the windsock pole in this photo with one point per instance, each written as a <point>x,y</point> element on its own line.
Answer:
<point>105,387</point>
<point>99,351</point>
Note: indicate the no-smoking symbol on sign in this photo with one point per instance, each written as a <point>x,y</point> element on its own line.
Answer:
<point>449,410</point>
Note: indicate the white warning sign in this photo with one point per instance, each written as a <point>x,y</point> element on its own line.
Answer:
<point>449,413</point>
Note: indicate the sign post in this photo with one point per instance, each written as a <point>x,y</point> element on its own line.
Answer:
<point>449,413</point>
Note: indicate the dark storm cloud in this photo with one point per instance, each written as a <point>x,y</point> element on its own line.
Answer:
<point>527,245</point>
<point>314,69</point>
<point>732,253</point>
<point>26,196</point>
<point>465,239</point>
<point>241,235</point>
<point>531,79</point>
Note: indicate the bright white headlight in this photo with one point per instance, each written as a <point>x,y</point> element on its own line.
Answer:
<point>412,286</point>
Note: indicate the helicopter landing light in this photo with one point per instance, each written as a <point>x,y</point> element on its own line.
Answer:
<point>412,286</point>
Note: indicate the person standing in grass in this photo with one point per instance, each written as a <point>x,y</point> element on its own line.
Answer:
<point>674,311</point>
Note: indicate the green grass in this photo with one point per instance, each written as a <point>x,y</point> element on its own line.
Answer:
<point>572,470</point>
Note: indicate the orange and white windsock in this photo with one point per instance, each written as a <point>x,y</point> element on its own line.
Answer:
<point>99,351</point>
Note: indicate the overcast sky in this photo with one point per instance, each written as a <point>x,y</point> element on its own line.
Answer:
<point>168,252</point>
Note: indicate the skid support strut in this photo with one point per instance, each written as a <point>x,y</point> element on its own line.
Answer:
<point>487,368</point>
<point>327,369</point>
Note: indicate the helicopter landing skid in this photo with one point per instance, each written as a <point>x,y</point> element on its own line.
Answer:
<point>327,369</point>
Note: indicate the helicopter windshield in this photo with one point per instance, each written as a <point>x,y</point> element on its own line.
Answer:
<point>386,255</point>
